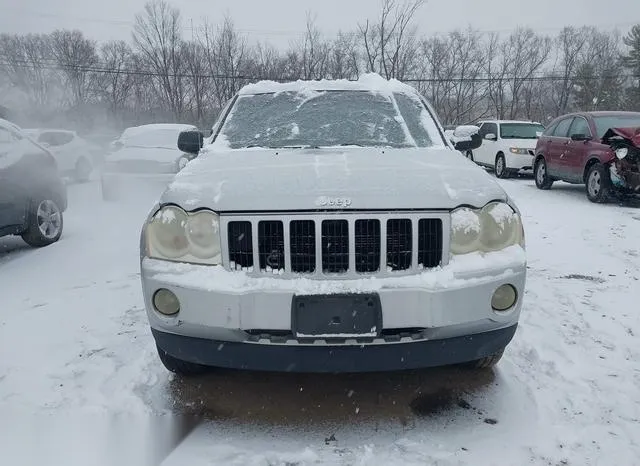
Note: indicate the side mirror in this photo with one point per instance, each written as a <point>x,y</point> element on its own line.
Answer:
<point>580,137</point>
<point>473,143</point>
<point>190,142</point>
<point>491,137</point>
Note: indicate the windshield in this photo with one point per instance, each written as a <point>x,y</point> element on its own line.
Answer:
<point>603,123</point>
<point>328,118</point>
<point>164,138</point>
<point>520,130</point>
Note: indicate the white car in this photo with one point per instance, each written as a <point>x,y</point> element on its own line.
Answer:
<point>74,155</point>
<point>144,155</point>
<point>329,226</point>
<point>508,146</point>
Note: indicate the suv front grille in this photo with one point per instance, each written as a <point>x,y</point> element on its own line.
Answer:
<point>334,244</point>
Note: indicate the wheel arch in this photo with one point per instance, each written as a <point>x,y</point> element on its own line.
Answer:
<point>587,166</point>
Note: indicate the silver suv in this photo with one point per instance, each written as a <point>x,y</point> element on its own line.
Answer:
<point>329,227</point>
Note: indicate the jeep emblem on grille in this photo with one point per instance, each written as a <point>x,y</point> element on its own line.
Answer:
<point>324,201</point>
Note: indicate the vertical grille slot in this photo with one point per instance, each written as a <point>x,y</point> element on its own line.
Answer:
<point>271,245</point>
<point>429,242</point>
<point>302,237</point>
<point>335,246</point>
<point>367,239</point>
<point>240,245</point>
<point>399,244</point>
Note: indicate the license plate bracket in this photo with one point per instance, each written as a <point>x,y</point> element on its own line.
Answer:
<point>336,315</point>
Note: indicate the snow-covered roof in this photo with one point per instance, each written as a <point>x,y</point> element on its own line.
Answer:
<point>134,130</point>
<point>529,122</point>
<point>367,82</point>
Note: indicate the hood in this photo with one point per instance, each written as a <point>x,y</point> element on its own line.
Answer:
<point>632,134</point>
<point>312,179</point>
<point>147,154</point>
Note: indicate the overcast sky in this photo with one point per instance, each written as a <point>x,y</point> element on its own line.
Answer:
<point>280,21</point>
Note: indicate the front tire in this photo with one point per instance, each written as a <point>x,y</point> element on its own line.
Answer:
<point>501,169</point>
<point>541,175</point>
<point>598,184</point>
<point>180,367</point>
<point>44,223</point>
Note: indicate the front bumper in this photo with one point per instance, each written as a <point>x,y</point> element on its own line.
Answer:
<point>439,317</point>
<point>325,358</point>
<point>519,162</point>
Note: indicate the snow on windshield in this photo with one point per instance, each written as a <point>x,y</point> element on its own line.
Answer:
<point>327,118</point>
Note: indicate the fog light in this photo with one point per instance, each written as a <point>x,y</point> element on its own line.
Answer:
<point>166,302</point>
<point>504,298</point>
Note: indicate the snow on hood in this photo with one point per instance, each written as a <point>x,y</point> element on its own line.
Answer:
<point>371,178</point>
<point>155,154</point>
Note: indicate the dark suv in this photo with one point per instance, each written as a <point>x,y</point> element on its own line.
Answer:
<point>32,194</point>
<point>571,149</point>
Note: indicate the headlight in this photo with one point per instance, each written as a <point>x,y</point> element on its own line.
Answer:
<point>492,228</point>
<point>519,150</point>
<point>622,152</point>
<point>175,235</point>
<point>465,231</point>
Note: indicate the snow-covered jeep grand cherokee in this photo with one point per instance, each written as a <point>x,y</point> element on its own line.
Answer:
<point>328,226</point>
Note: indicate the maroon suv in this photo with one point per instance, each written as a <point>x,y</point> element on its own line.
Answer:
<point>571,149</point>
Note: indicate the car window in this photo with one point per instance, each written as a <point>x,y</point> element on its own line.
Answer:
<point>604,123</point>
<point>580,126</point>
<point>562,129</point>
<point>483,130</point>
<point>412,112</point>
<point>55,138</point>
<point>520,130</point>
<point>550,129</point>
<point>320,119</point>
<point>491,128</point>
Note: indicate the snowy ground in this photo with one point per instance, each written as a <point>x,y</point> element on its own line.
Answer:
<point>75,348</point>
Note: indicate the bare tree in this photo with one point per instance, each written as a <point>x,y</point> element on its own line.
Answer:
<point>226,55</point>
<point>600,79</point>
<point>157,36</point>
<point>77,58</point>
<point>117,85</point>
<point>390,44</point>
<point>569,43</point>
<point>28,65</point>
<point>344,57</point>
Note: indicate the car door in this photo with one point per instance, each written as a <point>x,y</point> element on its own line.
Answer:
<point>487,151</point>
<point>12,200</point>
<point>573,161</point>
<point>557,148</point>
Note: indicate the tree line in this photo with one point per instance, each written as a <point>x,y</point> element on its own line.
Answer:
<point>66,78</point>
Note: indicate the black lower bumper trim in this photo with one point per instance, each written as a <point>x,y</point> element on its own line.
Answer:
<point>327,358</point>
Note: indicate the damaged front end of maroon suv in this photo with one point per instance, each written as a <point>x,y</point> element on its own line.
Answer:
<point>625,160</point>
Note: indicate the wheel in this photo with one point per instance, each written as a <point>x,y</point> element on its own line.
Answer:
<point>501,167</point>
<point>469,155</point>
<point>541,175</point>
<point>487,362</point>
<point>82,170</point>
<point>598,184</point>
<point>178,366</point>
<point>44,223</point>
